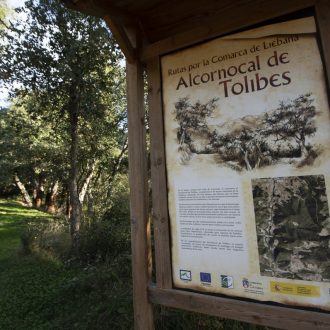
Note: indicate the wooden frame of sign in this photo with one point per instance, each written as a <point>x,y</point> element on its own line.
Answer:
<point>162,292</point>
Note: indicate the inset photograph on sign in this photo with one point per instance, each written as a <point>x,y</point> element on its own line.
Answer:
<point>293,227</point>
<point>246,121</point>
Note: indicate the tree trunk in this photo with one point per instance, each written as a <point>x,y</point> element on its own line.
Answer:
<point>90,204</point>
<point>304,151</point>
<point>247,163</point>
<point>35,192</point>
<point>23,191</point>
<point>51,198</point>
<point>40,193</point>
<point>75,215</point>
<point>257,162</point>
<point>116,167</point>
<point>85,185</point>
<point>67,206</point>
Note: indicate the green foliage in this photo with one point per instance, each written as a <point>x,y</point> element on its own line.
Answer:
<point>102,239</point>
<point>30,145</point>
<point>46,237</point>
<point>61,65</point>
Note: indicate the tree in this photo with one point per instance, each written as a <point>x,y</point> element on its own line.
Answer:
<point>253,141</point>
<point>70,65</point>
<point>191,117</point>
<point>33,150</point>
<point>294,119</point>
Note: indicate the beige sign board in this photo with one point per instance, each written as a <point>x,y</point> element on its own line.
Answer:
<point>247,156</point>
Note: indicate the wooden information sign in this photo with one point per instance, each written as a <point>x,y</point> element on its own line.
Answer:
<point>232,193</point>
<point>247,136</point>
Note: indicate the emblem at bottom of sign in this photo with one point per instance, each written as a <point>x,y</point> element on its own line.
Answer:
<point>227,282</point>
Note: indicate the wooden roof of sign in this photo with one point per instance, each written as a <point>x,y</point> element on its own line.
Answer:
<point>170,24</point>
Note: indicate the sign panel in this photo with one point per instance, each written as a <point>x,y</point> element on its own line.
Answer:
<point>247,156</point>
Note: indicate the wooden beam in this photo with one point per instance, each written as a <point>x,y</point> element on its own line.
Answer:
<point>99,9</point>
<point>122,38</point>
<point>140,224</point>
<point>322,10</point>
<point>266,315</point>
<point>158,178</point>
<point>224,23</point>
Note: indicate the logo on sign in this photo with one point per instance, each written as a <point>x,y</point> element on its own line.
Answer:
<point>227,282</point>
<point>205,277</point>
<point>185,275</point>
<point>245,283</point>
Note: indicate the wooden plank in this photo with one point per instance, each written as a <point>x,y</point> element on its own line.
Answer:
<point>99,8</point>
<point>226,22</point>
<point>140,224</point>
<point>158,179</point>
<point>162,21</point>
<point>258,313</point>
<point>322,10</point>
<point>159,20</point>
<point>121,37</point>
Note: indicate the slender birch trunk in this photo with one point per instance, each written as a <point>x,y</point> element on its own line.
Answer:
<point>23,191</point>
<point>86,183</point>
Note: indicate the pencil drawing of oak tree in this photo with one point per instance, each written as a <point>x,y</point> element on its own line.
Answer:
<point>250,142</point>
<point>294,119</point>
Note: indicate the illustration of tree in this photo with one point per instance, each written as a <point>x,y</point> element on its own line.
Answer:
<point>247,148</point>
<point>191,117</point>
<point>249,142</point>
<point>294,119</point>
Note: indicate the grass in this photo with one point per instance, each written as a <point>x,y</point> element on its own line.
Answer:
<point>12,219</point>
<point>27,282</point>
<point>37,291</point>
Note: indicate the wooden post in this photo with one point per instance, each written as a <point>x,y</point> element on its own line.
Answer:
<point>140,224</point>
<point>158,179</point>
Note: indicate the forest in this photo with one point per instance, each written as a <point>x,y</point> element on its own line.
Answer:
<point>65,249</point>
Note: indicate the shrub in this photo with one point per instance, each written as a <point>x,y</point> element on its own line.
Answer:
<point>108,237</point>
<point>50,236</point>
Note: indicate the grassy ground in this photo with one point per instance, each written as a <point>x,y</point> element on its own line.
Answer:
<point>38,291</point>
<point>12,218</point>
<point>27,282</point>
